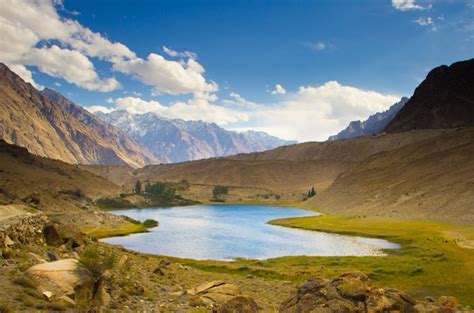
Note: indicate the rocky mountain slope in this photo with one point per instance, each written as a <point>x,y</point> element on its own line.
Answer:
<point>445,99</point>
<point>371,126</point>
<point>178,140</point>
<point>46,184</point>
<point>50,125</point>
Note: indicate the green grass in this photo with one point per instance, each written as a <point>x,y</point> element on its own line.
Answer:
<point>122,230</point>
<point>430,262</point>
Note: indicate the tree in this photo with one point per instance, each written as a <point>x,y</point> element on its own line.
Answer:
<point>138,187</point>
<point>219,190</point>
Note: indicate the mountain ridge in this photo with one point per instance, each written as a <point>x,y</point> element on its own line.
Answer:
<point>372,125</point>
<point>49,125</point>
<point>177,140</point>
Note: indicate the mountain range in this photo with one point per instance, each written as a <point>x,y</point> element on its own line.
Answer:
<point>49,125</point>
<point>371,126</point>
<point>176,140</point>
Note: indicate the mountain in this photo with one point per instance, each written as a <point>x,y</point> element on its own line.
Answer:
<point>177,140</point>
<point>49,125</point>
<point>445,99</point>
<point>49,185</point>
<point>371,126</point>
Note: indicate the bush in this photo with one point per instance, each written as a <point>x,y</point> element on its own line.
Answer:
<point>97,263</point>
<point>114,203</point>
<point>24,282</point>
<point>218,191</point>
<point>149,223</point>
<point>5,307</point>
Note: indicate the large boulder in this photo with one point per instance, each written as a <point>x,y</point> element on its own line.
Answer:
<point>61,277</point>
<point>239,304</point>
<point>51,235</point>
<point>351,292</point>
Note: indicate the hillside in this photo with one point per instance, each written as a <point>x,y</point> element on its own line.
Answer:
<point>371,126</point>
<point>49,125</point>
<point>178,140</point>
<point>430,179</point>
<point>445,99</point>
<point>46,184</point>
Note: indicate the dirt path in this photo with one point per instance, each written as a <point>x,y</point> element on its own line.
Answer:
<point>12,210</point>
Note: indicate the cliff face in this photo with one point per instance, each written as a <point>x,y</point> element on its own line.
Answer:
<point>445,99</point>
<point>49,125</point>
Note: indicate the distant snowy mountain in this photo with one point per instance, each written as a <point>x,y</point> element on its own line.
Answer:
<point>373,125</point>
<point>176,140</point>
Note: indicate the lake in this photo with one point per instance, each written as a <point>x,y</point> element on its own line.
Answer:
<point>226,232</point>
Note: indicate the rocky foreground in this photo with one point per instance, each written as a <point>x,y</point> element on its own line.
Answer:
<point>53,266</point>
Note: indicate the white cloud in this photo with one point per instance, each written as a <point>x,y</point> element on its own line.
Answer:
<point>25,74</point>
<point>167,76</point>
<point>406,5</point>
<point>99,108</point>
<point>424,21</point>
<point>109,100</point>
<point>278,90</point>
<point>174,54</point>
<point>26,27</point>
<point>316,112</point>
<point>239,102</point>
<point>197,108</point>
<point>70,65</point>
<point>34,34</point>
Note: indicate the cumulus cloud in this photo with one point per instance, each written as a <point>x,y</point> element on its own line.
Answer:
<point>279,90</point>
<point>239,102</point>
<point>406,5</point>
<point>33,34</point>
<point>316,112</point>
<point>25,26</point>
<point>424,21</point>
<point>167,76</point>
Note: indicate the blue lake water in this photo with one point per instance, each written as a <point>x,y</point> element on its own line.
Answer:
<point>226,232</point>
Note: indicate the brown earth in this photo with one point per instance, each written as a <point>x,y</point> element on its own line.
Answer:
<point>46,184</point>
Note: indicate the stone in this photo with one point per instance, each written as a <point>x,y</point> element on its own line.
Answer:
<point>215,292</point>
<point>239,304</point>
<point>61,277</point>
<point>159,271</point>
<point>47,295</point>
<point>122,261</point>
<point>164,263</point>
<point>348,293</point>
<point>65,302</point>
<point>448,302</point>
<point>51,235</point>
<point>52,256</point>
<point>37,258</point>
<point>7,242</point>
<point>72,236</point>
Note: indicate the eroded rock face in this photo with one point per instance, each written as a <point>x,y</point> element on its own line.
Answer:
<point>351,292</point>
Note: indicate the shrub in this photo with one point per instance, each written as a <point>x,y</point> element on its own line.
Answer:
<point>24,282</point>
<point>149,223</point>
<point>97,263</point>
<point>5,307</point>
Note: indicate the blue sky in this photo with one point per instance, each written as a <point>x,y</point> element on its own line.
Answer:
<point>334,61</point>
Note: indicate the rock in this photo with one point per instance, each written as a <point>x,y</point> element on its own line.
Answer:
<point>61,277</point>
<point>215,292</point>
<point>101,297</point>
<point>47,295</point>
<point>52,256</point>
<point>7,242</point>
<point>164,263</point>
<point>72,236</point>
<point>448,302</point>
<point>122,261</point>
<point>348,293</point>
<point>65,302</point>
<point>239,304</point>
<point>159,271</point>
<point>51,235</point>
<point>37,258</point>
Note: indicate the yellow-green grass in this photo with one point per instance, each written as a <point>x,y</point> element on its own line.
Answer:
<point>120,230</point>
<point>430,262</point>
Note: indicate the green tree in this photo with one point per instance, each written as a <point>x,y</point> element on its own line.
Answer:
<point>138,187</point>
<point>220,190</point>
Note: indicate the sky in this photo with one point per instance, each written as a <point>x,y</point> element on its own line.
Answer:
<point>299,70</point>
